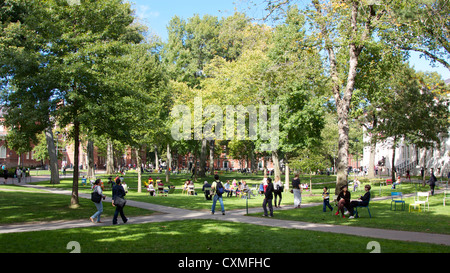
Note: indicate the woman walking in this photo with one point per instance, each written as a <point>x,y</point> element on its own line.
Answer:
<point>97,190</point>
<point>278,189</point>
<point>297,191</point>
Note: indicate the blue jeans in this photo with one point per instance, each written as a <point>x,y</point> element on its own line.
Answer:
<point>213,209</point>
<point>326,203</point>
<point>99,207</point>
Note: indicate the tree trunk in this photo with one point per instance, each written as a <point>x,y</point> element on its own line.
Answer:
<point>343,100</point>
<point>286,179</point>
<point>211,156</point>
<point>393,169</point>
<point>265,167</point>
<point>90,156</point>
<point>276,164</point>
<point>156,158</point>
<point>54,171</point>
<point>138,164</point>
<point>169,164</point>
<point>203,159</point>
<point>371,168</point>
<point>110,158</point>
<point>74,202</point>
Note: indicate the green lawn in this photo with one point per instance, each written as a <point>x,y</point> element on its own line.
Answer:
<point>200,236</point>
<point>22,207</point>
<point>436,220</point>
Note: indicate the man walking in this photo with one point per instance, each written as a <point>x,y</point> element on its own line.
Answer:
<point>268,198</point>
<point>217,187</point>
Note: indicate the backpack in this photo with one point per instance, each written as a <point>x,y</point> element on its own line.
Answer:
<point>219,189</point>
<point>95,197</point>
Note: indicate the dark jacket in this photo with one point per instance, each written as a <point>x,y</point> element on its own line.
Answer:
<point>432,180</point>
<point>296,183</point>
<point>365,199</point>
<point>269,191</point>
<point>118,191</point>
<point>345,196</point>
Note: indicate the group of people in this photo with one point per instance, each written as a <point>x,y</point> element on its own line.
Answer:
<point>153,186</point>
<point>344,201</point>
<point>118,201</point>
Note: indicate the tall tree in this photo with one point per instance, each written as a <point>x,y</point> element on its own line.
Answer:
<point>341,29</point>
<point>75,49</point>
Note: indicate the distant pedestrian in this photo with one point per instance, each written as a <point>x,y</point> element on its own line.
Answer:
<point>118,201</point>
<point>268,197</point>
<point>19,174</point>
<point>99,205</point>
<point>5,173</point>
<point>218,189</point>
<point>432,182</point>
<point>296,189</point>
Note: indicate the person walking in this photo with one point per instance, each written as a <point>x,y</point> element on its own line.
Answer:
<point>278,189</point>
<point>118,201</point>
<point>218,189</point>
<point>432,182</point>
<point>326,199</point>
<point>297,191</point>
<point>268,198</point>
<point>99,205</point>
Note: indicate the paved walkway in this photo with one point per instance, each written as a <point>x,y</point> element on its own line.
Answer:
<point>175,214</point>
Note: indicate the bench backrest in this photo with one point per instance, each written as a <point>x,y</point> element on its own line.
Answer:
<point>423,194</point>
<point>396,195</point>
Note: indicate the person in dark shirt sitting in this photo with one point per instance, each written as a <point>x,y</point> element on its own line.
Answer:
<point>363,201</point>
<point>343,200</point>
<point>206,188</point>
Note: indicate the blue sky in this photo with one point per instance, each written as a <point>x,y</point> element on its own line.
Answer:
<point>156,14</point>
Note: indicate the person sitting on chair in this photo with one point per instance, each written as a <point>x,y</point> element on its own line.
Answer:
<point>208,194</point>
<point>396,183</point>
<point>363,201</point>
<point>151,189</point>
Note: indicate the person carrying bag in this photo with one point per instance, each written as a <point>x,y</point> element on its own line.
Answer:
<point>118,194</point>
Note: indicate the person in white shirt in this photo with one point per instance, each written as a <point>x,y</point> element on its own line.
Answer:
<point>278,189</point>
<point>151,189</point>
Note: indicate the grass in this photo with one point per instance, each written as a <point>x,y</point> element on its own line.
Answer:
<point>25,207</point>
<point>436,220</point>
<point>201,236</point>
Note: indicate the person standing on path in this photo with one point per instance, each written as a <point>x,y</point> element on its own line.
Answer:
<point>218,189</point>
<point>118,194</point>
<point>432,182</point>
<point>268,198</point>
<point>297,191</point>
<point>278,189</point>
<point>99,206</point>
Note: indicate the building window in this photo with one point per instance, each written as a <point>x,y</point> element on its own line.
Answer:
<point>2,152</point>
